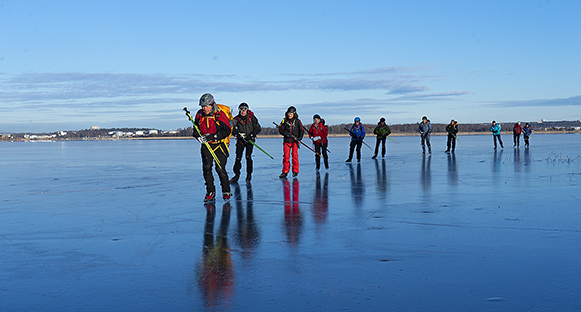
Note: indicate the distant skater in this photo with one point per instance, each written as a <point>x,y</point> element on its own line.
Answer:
<point>357,133</point>
<point>215,129</point>
<point>381,131</point>
<point>452,129</point>
<point>245,127</point>
<point>495,129</point>
<point>291,128</point>
<point>516,131</point>
<point>527,131</point>
<point>425,129</point>
<point>318,132</point>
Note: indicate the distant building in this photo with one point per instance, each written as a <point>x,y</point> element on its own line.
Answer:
<point>139,132</point>
<point>94,127</point>
<point>152,131</point>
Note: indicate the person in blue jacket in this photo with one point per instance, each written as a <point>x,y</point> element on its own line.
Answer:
<point>495,129</point>
<point>357,133</point>
<point>425,129</point>
<point>527,131</point>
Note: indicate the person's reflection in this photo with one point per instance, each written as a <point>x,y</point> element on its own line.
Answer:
<point>357,187</point>
<point>321,201</point>
<point>452,172</point>
<point>292,214</point>
<point>382,183</point>
<point>247,235</point>
<point>496,161</point>
<point>528,162</point>
<point>426,174</point>
<point>216,271</point>
<point>517,161</point>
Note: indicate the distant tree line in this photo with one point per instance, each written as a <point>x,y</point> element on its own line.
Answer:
<point>338,129</point>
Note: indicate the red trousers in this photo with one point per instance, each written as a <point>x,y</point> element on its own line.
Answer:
<point>289,148</point>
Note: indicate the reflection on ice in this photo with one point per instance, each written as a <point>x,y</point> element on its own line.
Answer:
<point>381,177</point>
<point>357,185</point>
<point>426,177</point>
<point>247,234</point>
<point>452,170</point>
<point>216,270</point>
<point>321,200</point>
<point>293,219</point>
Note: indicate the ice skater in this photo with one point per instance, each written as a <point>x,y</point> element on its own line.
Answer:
<point>381,132</point>
<point>245,127</point>
<point>425,130</point>
<point>357,133</point>
<point>516,131</point>
<point>527,131</point>
<point>318,133</point>
<point>495,129</point>
<point>452,129</point>
<point>291,128</point>
<point>212,130</point>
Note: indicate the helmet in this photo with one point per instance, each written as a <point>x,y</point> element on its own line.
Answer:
<point>206,99</point>
<point>357,119</point>
<point>382,119</point>
<point>453,120</point>
<point>316,116</point>
<point>425,118</point>
<point>243,105</point>
<point>291,109</point>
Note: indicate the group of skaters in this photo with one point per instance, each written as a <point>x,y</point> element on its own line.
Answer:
<point>214,124</point>
<point>517,130</point>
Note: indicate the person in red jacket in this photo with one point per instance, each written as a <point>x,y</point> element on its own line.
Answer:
<point>516,131</point>
<point>215,127</point>
<point>318,133</point>
<point>292,129</point>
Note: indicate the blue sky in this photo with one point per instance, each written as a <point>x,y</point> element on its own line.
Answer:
<point>67,65</point>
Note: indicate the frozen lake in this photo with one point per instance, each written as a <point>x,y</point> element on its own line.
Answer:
<point>120,226</point>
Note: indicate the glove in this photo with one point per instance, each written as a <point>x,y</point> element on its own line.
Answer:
<point>241,136</point>
<point>206,138</point>
<point>317,138</point>
<point>252,137</point>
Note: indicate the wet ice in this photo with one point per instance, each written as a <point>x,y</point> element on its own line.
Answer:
<point>116,225</point>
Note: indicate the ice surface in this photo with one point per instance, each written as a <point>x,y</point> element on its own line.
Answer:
<point>120,225</point>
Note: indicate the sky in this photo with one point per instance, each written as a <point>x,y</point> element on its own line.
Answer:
<point>69,65</point>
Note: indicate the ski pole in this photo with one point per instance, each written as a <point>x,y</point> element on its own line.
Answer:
<point>456,137</point>
<point>361,141</point>
<point>328,151</point>
<point>294,138</point>
<point>387,136</point>
<point>200,133</point>
<point>260,149</point>
<point>244,139</point>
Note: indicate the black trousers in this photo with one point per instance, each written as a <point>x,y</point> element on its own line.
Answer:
<point>221,152</point>
<point>352,147</point>
<point>526,138</point>
<point>426,140</point>
<point>516,138</point>
<point>451,142</point>
<point>240,146</point>
<point>379,140</point>
<point>322,150</point>
<point>497,137</point>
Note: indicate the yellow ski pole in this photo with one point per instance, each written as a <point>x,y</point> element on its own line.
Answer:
<point>200,133</point>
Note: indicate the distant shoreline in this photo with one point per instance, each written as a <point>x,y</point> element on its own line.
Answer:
<point>270,136</point>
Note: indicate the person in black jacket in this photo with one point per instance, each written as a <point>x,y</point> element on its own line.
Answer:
<point>452,129</point>
<point>245,127</point>
<point>292,129</point>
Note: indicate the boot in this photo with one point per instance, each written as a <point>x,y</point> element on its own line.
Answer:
<point>248,177</point>
<point>283,175</point>
<point>210,197</point>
